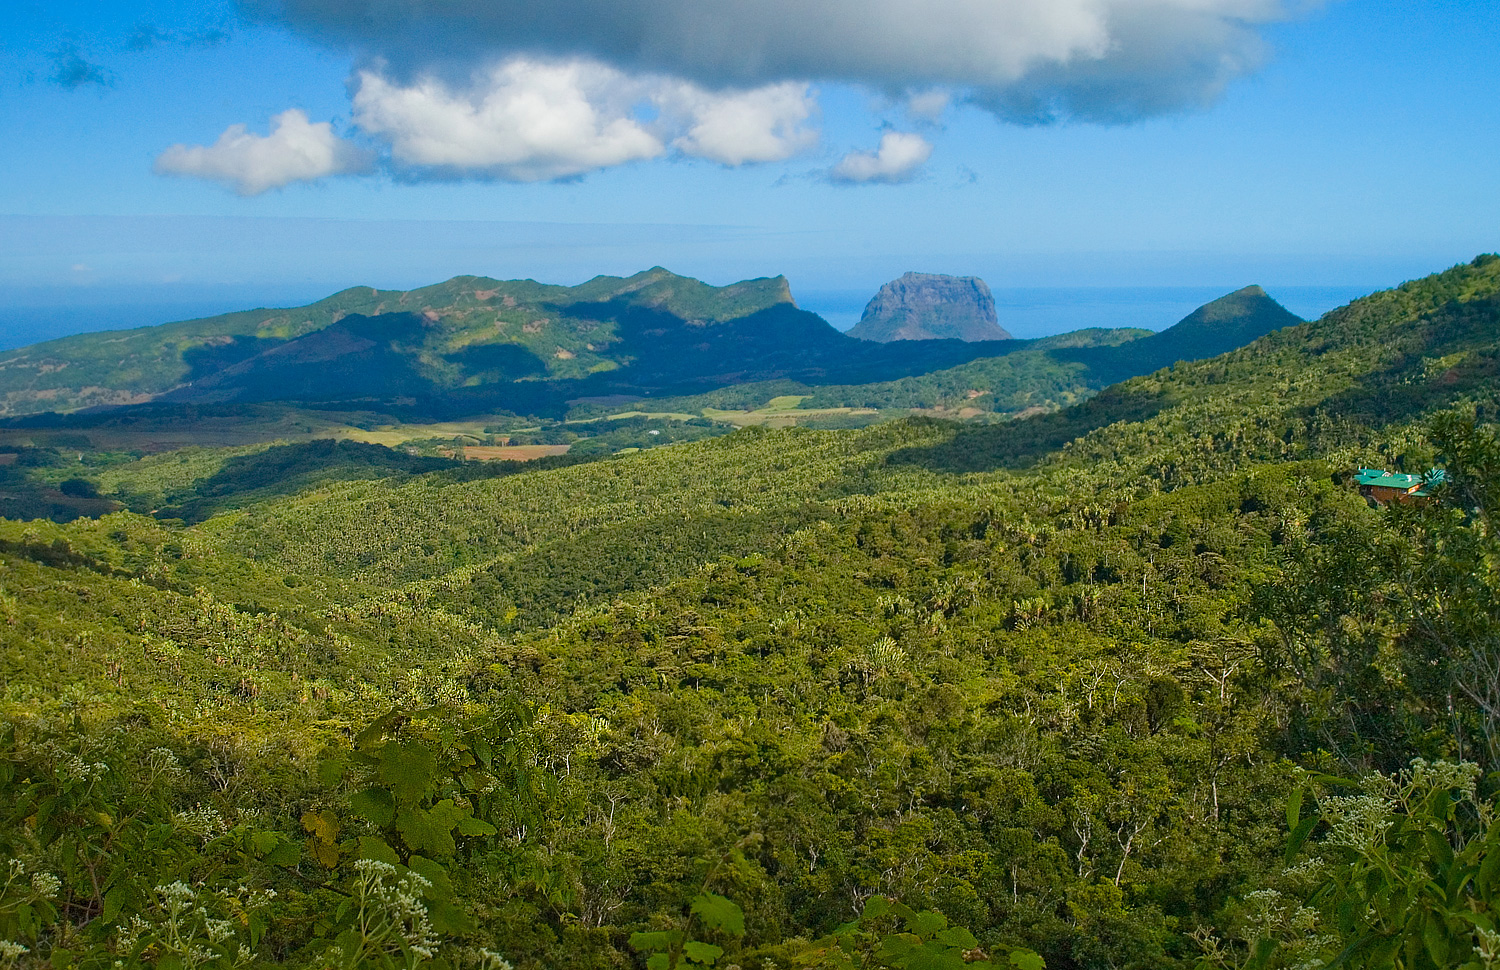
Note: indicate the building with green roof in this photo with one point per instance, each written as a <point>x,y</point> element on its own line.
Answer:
<point>1383,487</point>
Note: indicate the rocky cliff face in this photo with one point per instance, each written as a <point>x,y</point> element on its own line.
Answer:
<point>929,306</point>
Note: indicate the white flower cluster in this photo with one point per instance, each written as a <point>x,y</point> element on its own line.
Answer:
<point>202,822</point>
<point>185,926</point>
<point>162,761</point>
<point>1309,870</point>
<point>71,766</point>
<point>249,900</point>
<point>1358,822</point>
<point>391,908</point>
<point>488,959</point>
<point>43,884</point>
<point>1487,942</point>
<point>1424,777</point>
<point>1273,911</point>
<point>10,950</point>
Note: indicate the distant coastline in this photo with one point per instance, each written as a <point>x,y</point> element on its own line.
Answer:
<point>1037,311</point>
<point>1027,312</point>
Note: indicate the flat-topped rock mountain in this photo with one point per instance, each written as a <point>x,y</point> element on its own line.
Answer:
<point>931,306</point>
<point>476,345</point>
<point>470,345</point>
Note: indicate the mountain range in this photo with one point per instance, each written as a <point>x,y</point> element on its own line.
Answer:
<point>1079,689</point>
<point>475,345</point>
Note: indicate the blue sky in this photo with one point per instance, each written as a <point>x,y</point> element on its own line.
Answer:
<point>1345,145</point>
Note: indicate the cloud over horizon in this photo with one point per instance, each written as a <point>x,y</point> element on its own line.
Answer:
<point>898,158</point>
<point>296,150</point>
<point>527,120</point>
<point>524,122</point>
<point>516,91</point>
<point>1027,61</point>
<point>766,124</point>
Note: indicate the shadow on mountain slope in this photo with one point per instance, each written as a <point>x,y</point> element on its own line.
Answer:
<point>208,359</point>
<point>1018,444</point>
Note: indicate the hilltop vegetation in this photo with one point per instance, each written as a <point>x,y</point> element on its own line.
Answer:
<point>467,328</point>
<point>476,346</point>
<point>1073,689</point>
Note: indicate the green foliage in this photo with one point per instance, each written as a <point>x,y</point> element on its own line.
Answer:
<point>889,933</point>
<point>668,949</point>
<point>1406,876</point>
<point>1390,625</point>
<point>447,714</point>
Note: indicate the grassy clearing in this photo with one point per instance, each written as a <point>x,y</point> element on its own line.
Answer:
<point>654,415</point>
<point>780,417</point>
<point>512,452</point>
<point>395,435</point>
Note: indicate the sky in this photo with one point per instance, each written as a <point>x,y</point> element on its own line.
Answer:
<point>162,155</point>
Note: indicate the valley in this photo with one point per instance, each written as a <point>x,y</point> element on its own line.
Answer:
<point>1071,680</point>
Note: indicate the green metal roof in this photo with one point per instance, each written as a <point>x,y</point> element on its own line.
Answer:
<point>1379,478</point>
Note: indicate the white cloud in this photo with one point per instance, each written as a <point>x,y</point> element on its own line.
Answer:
<point>760,125</point>
<point>296,150</point>
<point>928,105</point>
<point>528,120</point>
<point>896,160</point>
<point>1026,60</point>
<point>524,121</point>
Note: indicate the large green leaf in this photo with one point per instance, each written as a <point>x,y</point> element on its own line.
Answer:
<point>703,953</point>
<point>956,936</point>
<point>926,923</point>
<point>1027,960</point>
<point>376,805</point>
<point>931,956</point>
<point>645,940</point>
<point>471,826</point>
<point>719,913</point>
<point>377,849</point>
<point>430,830</point>
<point>408,769</point>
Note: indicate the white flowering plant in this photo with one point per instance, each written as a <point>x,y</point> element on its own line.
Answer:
<point>384,921</point>
<point>1406,876</point>
<point>185,927</point>
<point>28,907</point>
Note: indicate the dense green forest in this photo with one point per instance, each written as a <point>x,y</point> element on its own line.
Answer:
<point>1139,683</point>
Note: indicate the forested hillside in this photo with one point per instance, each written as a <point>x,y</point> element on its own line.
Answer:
<point>1080,690</point>
<point>476,346</point>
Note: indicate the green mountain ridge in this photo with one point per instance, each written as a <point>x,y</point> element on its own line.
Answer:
<point>1074,690</point>
<point>465,314</point>
<point>474,345</point>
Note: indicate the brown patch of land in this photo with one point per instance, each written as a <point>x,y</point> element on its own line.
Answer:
<point>512,452</point>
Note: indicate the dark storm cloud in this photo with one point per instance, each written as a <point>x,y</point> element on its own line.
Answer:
<point>1026,60</point>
